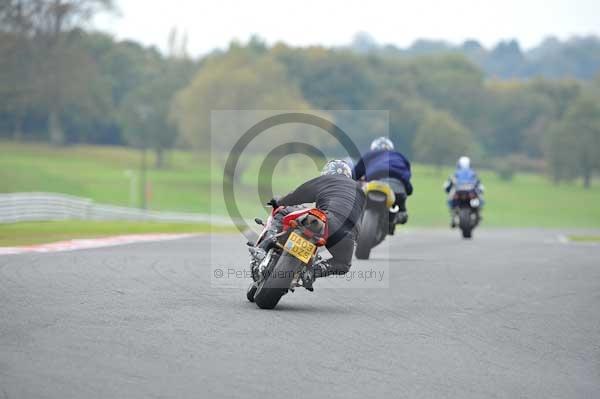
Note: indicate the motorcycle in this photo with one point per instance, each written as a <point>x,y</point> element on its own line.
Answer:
<point>466,209</point>
<point>283,255</point>
<point>375,222</point>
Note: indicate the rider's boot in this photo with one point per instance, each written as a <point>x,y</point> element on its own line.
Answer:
<point>308,278</point>
<point>319,269</point>
<point>402,217</point>
<point>393,218</point>
<point>453,219</point>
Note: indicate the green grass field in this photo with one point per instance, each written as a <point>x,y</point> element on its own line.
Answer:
<point>190,184</point>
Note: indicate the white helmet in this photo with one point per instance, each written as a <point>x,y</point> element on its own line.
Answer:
<point>382,144</point>
<point>337,167</point>
<point>464,162</point>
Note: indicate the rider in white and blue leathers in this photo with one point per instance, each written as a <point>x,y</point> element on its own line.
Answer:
<point>463,175</point>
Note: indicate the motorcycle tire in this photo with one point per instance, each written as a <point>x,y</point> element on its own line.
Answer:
<point>368,234</point>
<point>251,291</point>
<point>273,287</point>
<point>465,223</point>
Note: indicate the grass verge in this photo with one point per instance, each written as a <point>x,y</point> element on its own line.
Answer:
<point>28,233</point>
<point>194,183</point>
<point>578,238</point>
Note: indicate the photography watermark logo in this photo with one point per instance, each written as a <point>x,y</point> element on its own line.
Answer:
<point>284,149</point>
<point>359,277</point>
<point>266,154</point>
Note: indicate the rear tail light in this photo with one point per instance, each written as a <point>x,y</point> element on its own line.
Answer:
<point>319,214</point>
<point>307,233</point>
<point>321,242</point>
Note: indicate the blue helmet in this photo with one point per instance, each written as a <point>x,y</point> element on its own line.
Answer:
<point>337,167</point>
<point>382,144</point>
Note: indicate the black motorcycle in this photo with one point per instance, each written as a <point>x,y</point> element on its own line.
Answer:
<point>466,209</point>
<point>283,255</point>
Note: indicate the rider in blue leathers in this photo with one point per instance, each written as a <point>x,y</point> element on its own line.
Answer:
<point>383,163</point>
<point>463,175</point>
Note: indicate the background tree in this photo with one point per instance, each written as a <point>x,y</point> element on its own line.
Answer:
<point>65,71</point>
<point>145,108</point>
<point>574,142</point>
<point>240,79</point>
<point>144,119</point>
<point>449,82</point>
<point>328,79</point>
<point>18,61</point>
<point>61,82</point>
<point>512,112</point>
<point>440,139</point>
<point>57,73</point>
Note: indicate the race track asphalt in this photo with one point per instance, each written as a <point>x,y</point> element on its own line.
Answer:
<point>512,313</point>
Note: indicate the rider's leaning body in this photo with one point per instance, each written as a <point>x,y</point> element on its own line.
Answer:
<point>342,199</point>
<point>464,175</point>
<point>384,163</point>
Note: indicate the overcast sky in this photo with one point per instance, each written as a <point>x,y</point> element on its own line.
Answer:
<point>214,23</point>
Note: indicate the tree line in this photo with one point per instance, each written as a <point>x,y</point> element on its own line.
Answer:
<point>577,57</point>
<point>62,83</point>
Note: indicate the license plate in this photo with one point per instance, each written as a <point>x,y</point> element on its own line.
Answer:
<point>300,247</point>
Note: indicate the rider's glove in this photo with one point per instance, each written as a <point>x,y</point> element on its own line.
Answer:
<point>447,185</point>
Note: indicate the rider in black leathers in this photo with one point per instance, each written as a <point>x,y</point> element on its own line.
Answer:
<point>342,199</point>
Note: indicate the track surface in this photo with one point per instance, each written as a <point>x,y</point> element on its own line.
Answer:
<point>514,313</point>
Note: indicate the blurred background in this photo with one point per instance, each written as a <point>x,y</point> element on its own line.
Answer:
<point>111,100</point>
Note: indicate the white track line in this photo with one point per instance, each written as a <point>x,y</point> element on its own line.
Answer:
<point>563,239</point>
<point>87,243</point>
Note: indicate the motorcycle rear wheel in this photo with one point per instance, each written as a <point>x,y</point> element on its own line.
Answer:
<point>368,234</point>
<point>465,223</point>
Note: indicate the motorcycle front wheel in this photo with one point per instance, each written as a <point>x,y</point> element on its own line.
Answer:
<point>251,292</point>
<point>276,284</point>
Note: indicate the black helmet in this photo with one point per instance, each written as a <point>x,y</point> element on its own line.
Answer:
<point>381,144</point>
<point>337,167</point>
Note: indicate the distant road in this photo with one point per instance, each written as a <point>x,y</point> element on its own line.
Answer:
<point>514,313</point>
